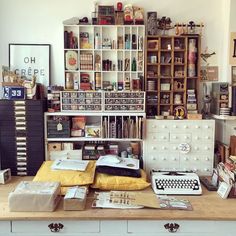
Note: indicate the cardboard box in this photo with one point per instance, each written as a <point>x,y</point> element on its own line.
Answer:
<point>34,196</point>
<point>5,176</point>
<point>194,116</point>
<point>75,198</point>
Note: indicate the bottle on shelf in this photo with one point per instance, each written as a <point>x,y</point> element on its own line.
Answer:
<point>97,41</point>
<point>134,64</point>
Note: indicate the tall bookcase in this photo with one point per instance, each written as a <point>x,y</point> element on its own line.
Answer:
<point>172,74</point>
<point>104,57</point>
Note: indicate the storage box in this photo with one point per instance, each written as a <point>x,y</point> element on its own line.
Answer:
<point>75,198</point>
<point>5,176</point>
<point>34,196</point>
<point>54,132</point>
<point>194,116</point>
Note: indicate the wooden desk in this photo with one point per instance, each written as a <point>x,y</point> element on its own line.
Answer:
<point>211,215</point>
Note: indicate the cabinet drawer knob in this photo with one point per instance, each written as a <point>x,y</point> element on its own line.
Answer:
<point>172,227</point>
<point>55,227</point>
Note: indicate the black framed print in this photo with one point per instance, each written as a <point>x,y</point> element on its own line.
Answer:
<point>31,60</point>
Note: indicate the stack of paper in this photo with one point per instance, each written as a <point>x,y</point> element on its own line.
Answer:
<point>69,165</point>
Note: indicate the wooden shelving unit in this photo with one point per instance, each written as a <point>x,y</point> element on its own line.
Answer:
<point>172,74</point>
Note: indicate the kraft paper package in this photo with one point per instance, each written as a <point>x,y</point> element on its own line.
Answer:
<point>34,196</point>
<point>75,198</point>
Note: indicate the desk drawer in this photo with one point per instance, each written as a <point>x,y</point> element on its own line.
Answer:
<point>5,227</point>
<point>152,226</point>
<point>42,227</point>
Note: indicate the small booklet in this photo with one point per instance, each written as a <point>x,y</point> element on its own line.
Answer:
<point>80,165</point>
<point>172,203</point>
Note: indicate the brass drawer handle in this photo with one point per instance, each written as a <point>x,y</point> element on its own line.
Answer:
<point>171,227</point>
<point>55,227</point>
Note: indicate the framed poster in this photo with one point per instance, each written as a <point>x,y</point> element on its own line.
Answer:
<point>232,53</point>
<point>209,73</point>
<point>31,59</point>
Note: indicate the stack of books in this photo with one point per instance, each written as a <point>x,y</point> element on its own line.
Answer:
<point>191,101</point>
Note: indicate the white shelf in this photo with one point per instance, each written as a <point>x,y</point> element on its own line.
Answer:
<point>108,113</point>
<point>223,117</point>
<point>81,139</point>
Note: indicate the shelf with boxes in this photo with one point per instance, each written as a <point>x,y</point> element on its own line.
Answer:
<point>76,130</point>
<point>172,74</point>
<point>104,57</point>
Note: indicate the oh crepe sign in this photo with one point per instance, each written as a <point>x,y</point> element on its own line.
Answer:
<point>31,60</point>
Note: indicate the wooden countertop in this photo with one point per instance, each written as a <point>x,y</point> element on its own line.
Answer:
<point>208,206</point>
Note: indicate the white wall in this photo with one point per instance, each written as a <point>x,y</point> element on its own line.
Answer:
<point>32,21</point>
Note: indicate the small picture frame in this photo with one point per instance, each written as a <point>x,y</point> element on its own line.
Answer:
<point>92,131</point>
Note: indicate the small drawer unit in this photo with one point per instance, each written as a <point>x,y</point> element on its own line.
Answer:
<point>124,101</point>
<point>81,101</point>
<point>185,145</point>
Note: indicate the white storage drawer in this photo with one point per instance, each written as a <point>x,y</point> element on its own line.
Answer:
<point>160,137</point>
<point>152,226</point>
<point>154,126</point>
<point>113,227</point>
<point>69,227</point>
<point>158,146</point>
<point>176,137</point>
<point>5,227</point>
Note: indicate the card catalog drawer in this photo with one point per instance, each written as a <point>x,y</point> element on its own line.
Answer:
<point>67,227</point>
<point>160,137</point>
<point>157,147</point>
<point>154,126</point>
<point>175,137</point>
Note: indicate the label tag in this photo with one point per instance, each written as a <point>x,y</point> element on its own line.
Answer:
<point>59,127</point>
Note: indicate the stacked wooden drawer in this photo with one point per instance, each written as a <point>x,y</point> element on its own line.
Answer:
<point>22,135</point>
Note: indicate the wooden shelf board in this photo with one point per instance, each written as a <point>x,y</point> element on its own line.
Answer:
<point>152,50</point>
